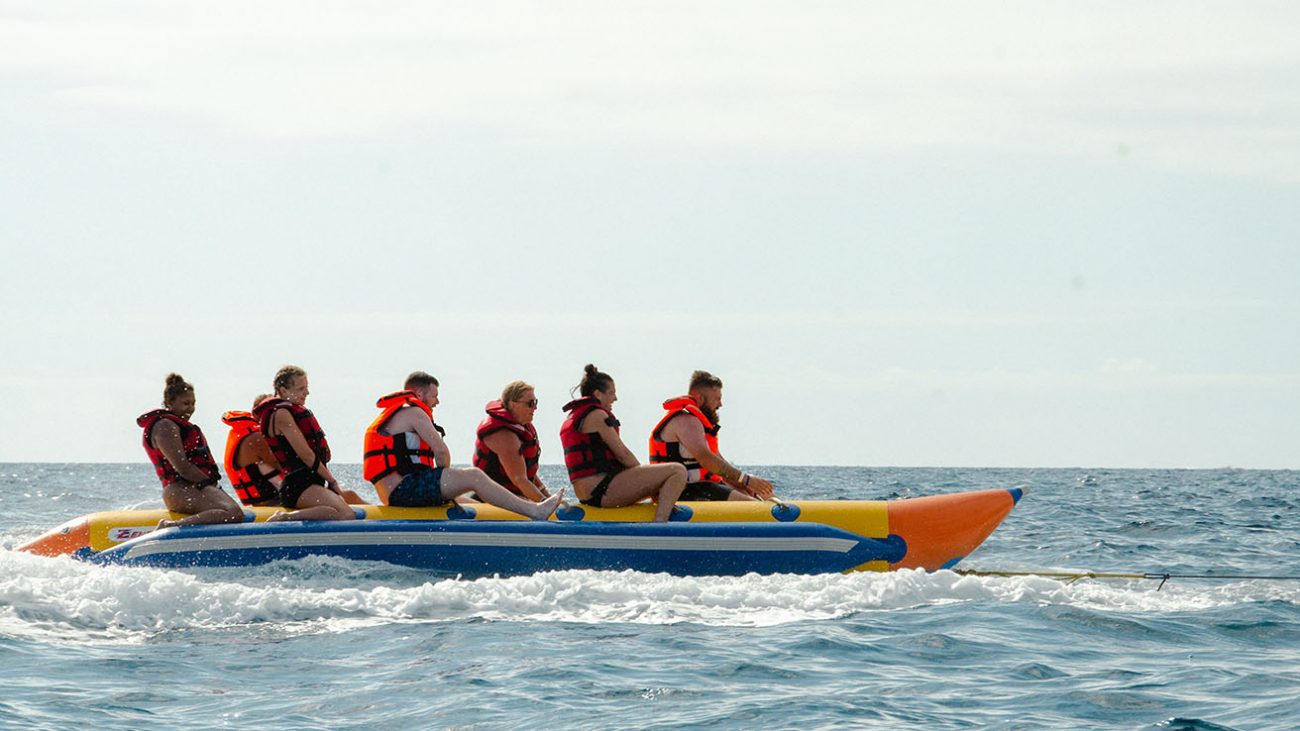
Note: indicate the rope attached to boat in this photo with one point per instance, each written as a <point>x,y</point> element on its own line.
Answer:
<point>1072,576</point>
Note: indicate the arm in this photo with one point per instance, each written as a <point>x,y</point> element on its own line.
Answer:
<point>595,423</point>
<point>260,451</point>
<point>422,425</point>
<point>691,434</point>
<point>167,436</point>
<point>506,447</point>
<point>285,425</point>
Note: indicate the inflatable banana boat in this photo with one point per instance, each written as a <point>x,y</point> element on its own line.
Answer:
<point>701,539</point>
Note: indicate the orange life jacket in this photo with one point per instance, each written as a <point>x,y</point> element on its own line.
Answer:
<point>403,453</point>
<point>662,451</point>
<point>498,418</point>
<point>252,485</point>
<point>587,454</point>
<point>192,441</point>
<point>280,447</point>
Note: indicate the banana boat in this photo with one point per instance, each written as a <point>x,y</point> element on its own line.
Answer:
<point>475,539</point>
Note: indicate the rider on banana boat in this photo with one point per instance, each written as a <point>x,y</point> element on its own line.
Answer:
<point>409,463</point>
<point>184,463</point>
<point>604,472</point>
<point>307,487</point>
<point>688,435</point>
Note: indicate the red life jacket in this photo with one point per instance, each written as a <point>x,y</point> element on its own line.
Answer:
<point>284,453</point>
<point>403,453</point>
<point>498,418</point>
<point>661,451</point>
<point>192,441</point>
<point>587,454</point>
<point>252,485</point>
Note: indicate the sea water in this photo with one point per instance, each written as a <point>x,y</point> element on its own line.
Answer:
<point>338,644</point>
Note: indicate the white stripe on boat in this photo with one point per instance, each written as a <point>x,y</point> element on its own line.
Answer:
<point>497,540</point>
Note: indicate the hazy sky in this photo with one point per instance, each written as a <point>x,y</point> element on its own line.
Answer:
<point>966,234</point>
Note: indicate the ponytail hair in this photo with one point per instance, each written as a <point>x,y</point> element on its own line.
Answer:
<point>284,377</point>
<point>593,380</point>
<point>175,387</point>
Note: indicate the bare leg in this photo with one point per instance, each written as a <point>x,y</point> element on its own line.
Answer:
<point>738,495</point>
<point>317,503</point>
<point>459,480</point>
<point>205,507</point>
<point>663,482</point>
<point>352,498</point>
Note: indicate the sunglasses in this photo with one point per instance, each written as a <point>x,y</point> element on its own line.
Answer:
<point>530,403</point>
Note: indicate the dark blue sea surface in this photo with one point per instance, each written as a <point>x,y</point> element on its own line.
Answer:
<point>339,644</point>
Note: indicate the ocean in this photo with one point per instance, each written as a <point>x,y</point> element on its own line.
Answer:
<point>341,645</point>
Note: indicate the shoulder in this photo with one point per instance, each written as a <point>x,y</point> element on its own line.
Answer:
<point>503,437</point>
<point>684,421</point>
<point>165,427</point>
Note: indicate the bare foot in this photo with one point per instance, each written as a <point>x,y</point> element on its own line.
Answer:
<point>164,523</point>
<point>547,507</point>
<point>278,516</point>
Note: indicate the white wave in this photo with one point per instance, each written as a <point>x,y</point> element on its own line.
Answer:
<point>61,600</point>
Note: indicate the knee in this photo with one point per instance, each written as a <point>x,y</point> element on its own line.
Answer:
<point>233,515</point>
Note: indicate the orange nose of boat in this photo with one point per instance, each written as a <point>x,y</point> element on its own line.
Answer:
<point>941,530</point>
<point>70,537</point>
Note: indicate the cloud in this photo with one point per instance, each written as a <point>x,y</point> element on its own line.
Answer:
<point>1207,88</point>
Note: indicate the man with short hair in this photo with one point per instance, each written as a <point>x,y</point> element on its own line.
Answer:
<point>409,464</point>
<point>688,434</point>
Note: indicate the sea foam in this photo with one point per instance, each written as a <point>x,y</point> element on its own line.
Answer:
<point>74,601</point>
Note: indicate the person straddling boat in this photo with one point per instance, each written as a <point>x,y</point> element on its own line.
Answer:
<point>307,486</point>
<point>184,463</point>
<point>407,460</point>
<point>688,435</point>
<point>251,466</point>
<point>604,472</point>
<point>505,444</point>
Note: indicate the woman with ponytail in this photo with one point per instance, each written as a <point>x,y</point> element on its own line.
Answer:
<point>604,472</point>
<point>307,486</point>
<point>183,461</point>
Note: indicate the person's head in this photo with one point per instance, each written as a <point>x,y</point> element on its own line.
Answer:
<point>600,385</point>
<point>520,400</point>
<point>424,386</point>
<point>706,389</point>
<point>260,398</point>
<point>178,396</point>
<point>291,384</point>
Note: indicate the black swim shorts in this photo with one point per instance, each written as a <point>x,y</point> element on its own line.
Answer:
<point>421,489</point>
<point>295,484</point>
<point>705,491</point>
<point>598,493</point>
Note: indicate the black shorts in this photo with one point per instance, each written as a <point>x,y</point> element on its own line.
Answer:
<point>705,491</point>
<point>598,493</point>
<point>295,484</point>
<point>421,489</point>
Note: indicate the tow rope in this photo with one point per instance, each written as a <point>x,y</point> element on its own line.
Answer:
<point>1072,576</point>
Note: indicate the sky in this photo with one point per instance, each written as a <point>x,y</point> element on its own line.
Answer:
<point>967,234</point>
